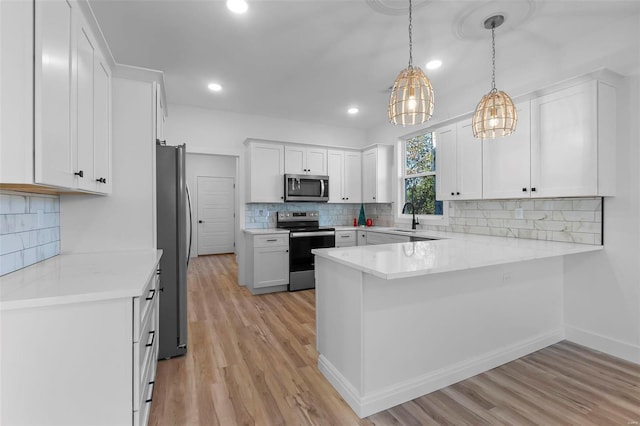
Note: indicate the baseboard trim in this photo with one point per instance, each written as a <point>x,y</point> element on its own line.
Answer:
<point>613,347</point>
<point>366,405</point>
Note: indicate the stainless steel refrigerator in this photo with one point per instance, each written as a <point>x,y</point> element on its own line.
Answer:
<point>174,238</point>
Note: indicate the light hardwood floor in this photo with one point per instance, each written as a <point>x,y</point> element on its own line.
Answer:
<point>252,360</point>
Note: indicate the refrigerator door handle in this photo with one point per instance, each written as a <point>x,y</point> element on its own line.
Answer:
<point>190,226</point>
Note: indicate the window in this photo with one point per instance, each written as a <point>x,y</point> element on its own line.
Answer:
<point>418,175</point>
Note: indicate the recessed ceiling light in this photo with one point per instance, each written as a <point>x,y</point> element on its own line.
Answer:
<point>237,6</point>
<point>353,110</point>
<point>214,87</point>
<point>432,65</point>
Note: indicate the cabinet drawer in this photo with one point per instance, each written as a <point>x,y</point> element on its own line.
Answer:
<point>143,305</point>
<point>141,416</point>
<point>271,240</point>
<point>345,238</point>
<point>144,356</point>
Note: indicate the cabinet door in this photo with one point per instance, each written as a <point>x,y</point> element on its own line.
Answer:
<point>54,93</point>
<point>294,160</point>
<point>564,142</point>
<point>335,160</point>
<point>506,161</point>
<point>102,126</point>
<point>316,161</point>
<point>446,154</point>
<point>369,175</point>
<point>468,163</point>
<point>352,184</point>
<point>270,266</point>
<point>267,169</point>
<point>86,60</point>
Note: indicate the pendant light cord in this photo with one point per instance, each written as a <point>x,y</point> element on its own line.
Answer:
<point>410,39</point>
<point>493,57</point>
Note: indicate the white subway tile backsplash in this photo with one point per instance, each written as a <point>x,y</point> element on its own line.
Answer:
<point>558,219</point>
<point>29,230</point>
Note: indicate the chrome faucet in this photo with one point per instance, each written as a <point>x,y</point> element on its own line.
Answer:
<point>414,221</point>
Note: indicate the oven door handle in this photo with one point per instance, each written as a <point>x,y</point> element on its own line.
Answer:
<point>312,234</point>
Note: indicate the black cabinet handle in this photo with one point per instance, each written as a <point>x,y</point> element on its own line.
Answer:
<point>101,180</point>
<point>347,198</point>
<point>200,221</point>
<point>80,173</point>
<point>286,251</point>
<point>153,338</point>
<point>151,399</point>
<point>457,193</point>
<point>374,198</point>
<point>282,198</point>
<point>152,292</point>
<point>524,189</point>
<point>452,193</point>
<point>158,271</point>
<point>533,190</point>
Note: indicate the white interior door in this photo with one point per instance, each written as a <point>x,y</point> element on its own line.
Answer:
<point>216,215</point>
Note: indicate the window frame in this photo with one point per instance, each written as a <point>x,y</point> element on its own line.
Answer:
<point>424,219</point>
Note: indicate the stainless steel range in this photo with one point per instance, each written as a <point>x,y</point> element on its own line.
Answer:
<point>305,234</point>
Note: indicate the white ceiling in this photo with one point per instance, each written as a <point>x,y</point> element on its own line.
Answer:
<point>309,60</point>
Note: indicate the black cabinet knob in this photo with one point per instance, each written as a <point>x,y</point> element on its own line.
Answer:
<point>533,190</point>
<point>457,193</point>
<point>101,180</point>
<point>524,189</point>
<point>282,198</point>
<point>80,173</point>
<point>452,193</point>
<point>200,221</point>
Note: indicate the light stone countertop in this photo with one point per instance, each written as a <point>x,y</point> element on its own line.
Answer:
<point>451,252</point>
<point>74,278</point>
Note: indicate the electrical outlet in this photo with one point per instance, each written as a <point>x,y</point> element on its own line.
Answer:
<point>519,213</point>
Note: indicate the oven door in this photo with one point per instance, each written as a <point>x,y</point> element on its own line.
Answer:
<point>301,244</point>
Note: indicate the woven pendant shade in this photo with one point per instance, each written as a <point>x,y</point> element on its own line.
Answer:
<point>411,100</point>
<point>495,116</point>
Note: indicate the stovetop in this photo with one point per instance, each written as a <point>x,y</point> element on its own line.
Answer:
<point>301,221</point>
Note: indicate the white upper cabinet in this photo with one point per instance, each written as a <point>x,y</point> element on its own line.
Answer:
<point>266,172</point>
<point>563,146</point>
<point>459,163</point>
<point>67,146</point>
<point>302,160</point>
<point>102,126</point>
<point>573,142</point>
<point>345,176</point>
<point>377,169</point>
<point>55,93</point>
<point>506,161</point>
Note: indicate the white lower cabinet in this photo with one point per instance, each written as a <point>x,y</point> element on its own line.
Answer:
<point>346,238</point>
<point>90,362</point>
<point>267,262</point>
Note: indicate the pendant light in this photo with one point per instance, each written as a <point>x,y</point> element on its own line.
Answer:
<point>411,100</point>
<point>495,114</point>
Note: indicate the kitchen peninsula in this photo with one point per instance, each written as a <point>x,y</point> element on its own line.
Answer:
<point>397,321</point>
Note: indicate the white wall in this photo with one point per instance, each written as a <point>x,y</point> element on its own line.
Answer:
<point>124,220</point>
<point>602,290</point>
<point>208,165</point>
<point>220,132</point>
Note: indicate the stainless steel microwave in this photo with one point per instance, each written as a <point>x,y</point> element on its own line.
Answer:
<point>306,188</point>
